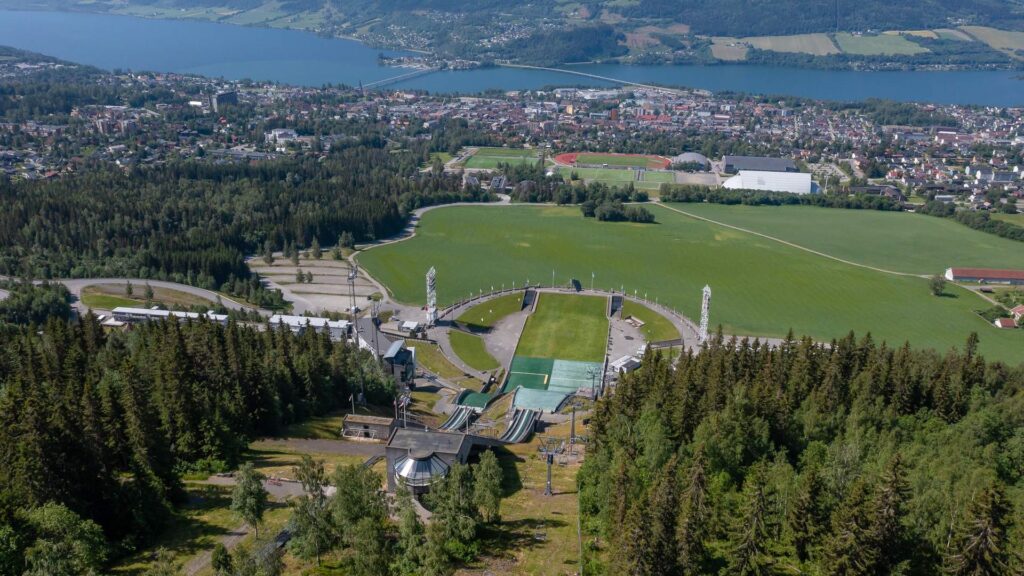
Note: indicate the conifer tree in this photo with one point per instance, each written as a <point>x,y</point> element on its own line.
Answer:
<point>851,549</point>
<point>749,540</point>
<point>692,527</point>
<point>894,542</point>
<point>981,547</point>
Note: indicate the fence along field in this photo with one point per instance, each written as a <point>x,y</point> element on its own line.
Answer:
<point>762,287</point>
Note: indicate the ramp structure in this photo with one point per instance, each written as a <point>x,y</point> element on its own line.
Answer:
<point>459,419</point>
<point>521,426</point>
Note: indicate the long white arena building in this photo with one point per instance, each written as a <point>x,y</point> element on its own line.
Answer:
<point>791,182</point>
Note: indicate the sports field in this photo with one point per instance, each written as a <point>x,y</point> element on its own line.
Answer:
<point>611,176</point>
<point>761,287</point>
<point>624,160</point>
<point>489,158</point>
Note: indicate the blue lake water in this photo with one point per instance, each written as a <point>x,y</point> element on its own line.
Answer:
<point>300,58</point>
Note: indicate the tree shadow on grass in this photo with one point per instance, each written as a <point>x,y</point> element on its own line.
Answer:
<point>508,537</point>
<point>187,533</point>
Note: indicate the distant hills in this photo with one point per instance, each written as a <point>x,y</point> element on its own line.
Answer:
<point>921,32</point>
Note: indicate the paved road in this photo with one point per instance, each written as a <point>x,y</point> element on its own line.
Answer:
<point>4,294</point>
<point>76,285</point>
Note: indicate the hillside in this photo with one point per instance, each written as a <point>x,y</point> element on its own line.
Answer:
<point>795,32</point>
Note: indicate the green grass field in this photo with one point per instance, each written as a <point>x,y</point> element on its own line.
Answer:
<point>566,327</point>
<point>484,316</point>
<point>617,160</point>
<point>109,302</point>
<point>471,350</point>
<point>656,327</point>
<point>659,177</point>
<point>1016,219</point>
<point>902,242</point>
<point>761,287</point>
<point>489,158</point>
<point>609,175</point>
<point>882,44</point>
<point>816,44</point>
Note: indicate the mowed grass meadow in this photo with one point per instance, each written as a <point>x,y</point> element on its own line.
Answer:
<point>897,241</point>
<point>761,287</point>
<point>566,327</point>
<point>490,158</point>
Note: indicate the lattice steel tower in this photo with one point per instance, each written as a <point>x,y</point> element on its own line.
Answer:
<point>431,297</point>
<point>705,312</point>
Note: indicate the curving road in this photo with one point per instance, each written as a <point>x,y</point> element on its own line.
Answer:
<point>76,285</point>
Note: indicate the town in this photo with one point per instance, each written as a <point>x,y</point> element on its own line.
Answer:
<point>967,155</point>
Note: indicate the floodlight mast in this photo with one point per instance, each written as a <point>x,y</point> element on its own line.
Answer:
<point>705,312</point>
<point>431,297</point>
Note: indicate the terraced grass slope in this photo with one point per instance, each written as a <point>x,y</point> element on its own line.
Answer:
<point>485,315</point>
<point>902,242</point>
<point>761,287</point>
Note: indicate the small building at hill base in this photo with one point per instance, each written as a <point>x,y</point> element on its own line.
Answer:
<point>985,276</point>
<point>790,182</point>
<point>367,427</point>
<point>400,362</point>
<point>624,365</point>
<point>419,458</point>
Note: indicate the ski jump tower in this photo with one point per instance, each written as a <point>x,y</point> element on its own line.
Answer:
<point>431,297</point>
<point>705,312</point>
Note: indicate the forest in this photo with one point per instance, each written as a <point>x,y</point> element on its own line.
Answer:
<point>697,193</point>
<point>850,458</point>
<point>195,223</point>
<point>97,430</point>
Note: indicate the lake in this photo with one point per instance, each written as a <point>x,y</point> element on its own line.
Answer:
<point>300,58</point>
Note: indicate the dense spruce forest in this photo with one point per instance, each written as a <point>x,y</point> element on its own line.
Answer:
<point>852,458</point>
<point>96,430</point>
<point>195,223</point>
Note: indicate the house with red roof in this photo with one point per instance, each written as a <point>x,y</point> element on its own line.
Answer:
<point>1005,323</point>
<point>985,276</point>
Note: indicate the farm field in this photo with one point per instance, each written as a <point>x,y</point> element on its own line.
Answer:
<point>471,350</point>
<point>761,287</point>
<point>728,49</point>
<point>911,243</point>
<point>489,158</point>
<point>485,315</point>
<point>566,327</point>
<point>816,44</point>
<point>1017,219</point>
<point>1002,40</point>
<point>882,44</point>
